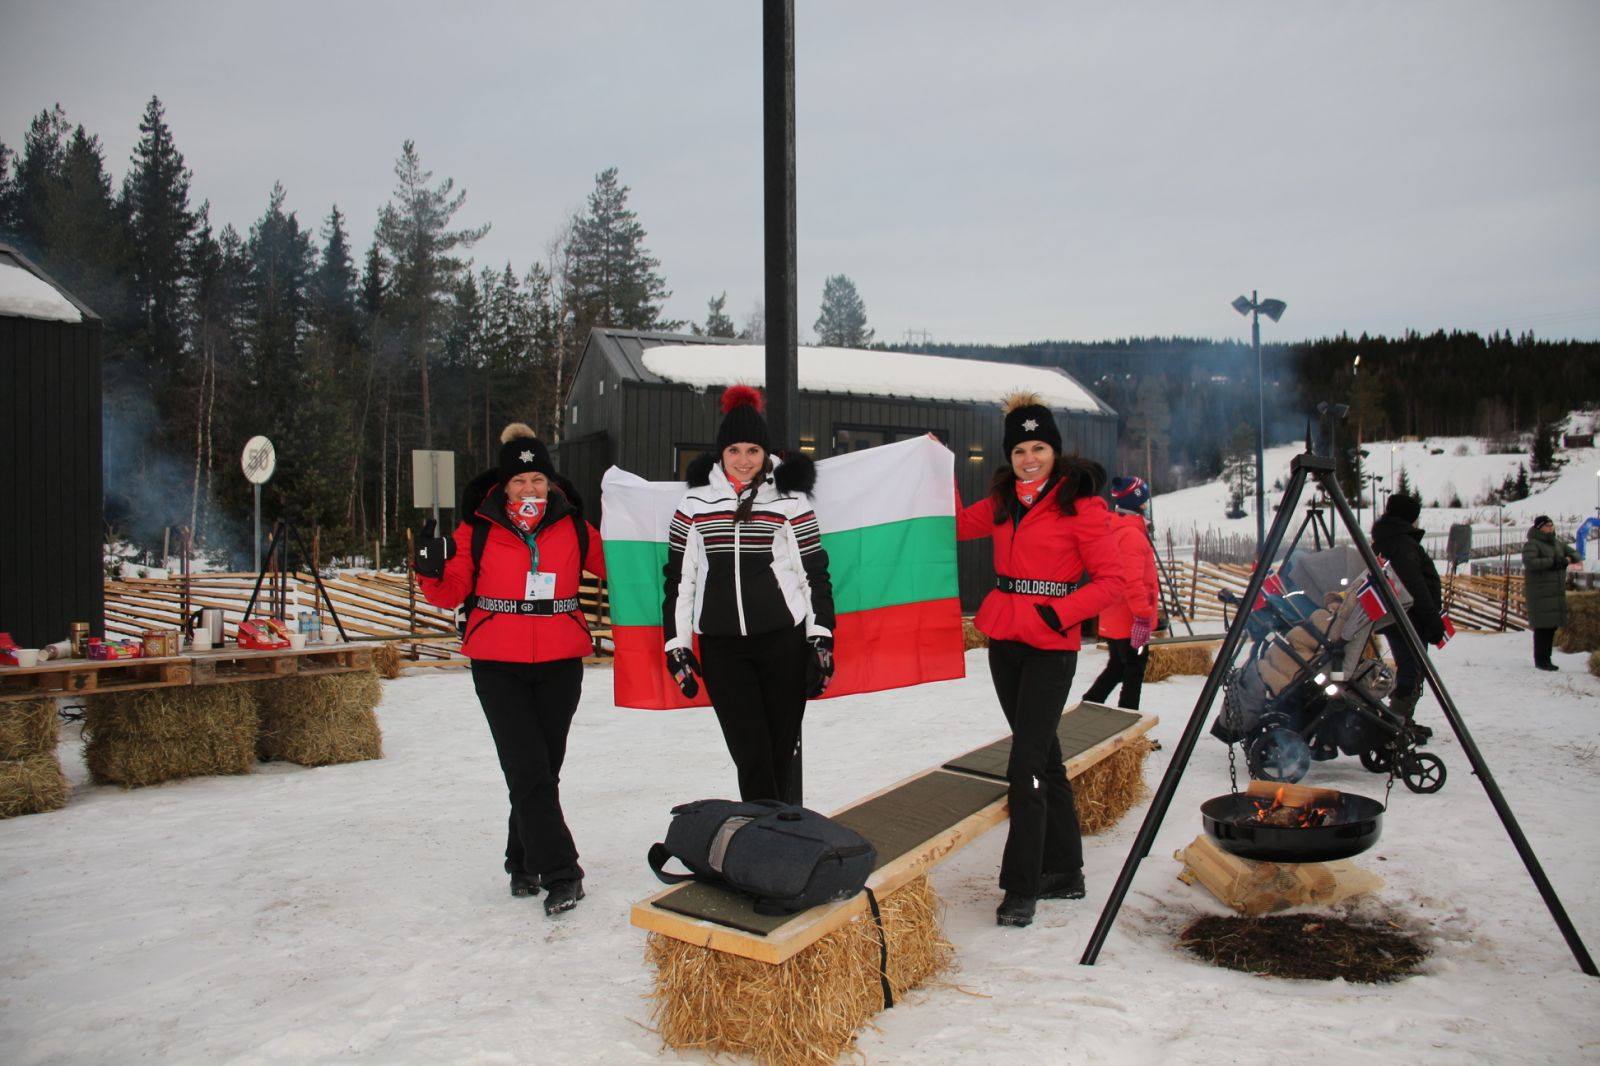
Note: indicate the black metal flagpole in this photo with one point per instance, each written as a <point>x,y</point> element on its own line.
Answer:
<point>782,304</point>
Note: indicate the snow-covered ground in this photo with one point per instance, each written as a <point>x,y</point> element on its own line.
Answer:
<point>358,913</point>
<point>1460,469</point>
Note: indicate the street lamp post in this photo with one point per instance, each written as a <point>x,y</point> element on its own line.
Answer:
<point>1273,309</point>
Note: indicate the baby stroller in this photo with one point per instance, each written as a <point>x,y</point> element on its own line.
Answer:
<point>1312,688</point>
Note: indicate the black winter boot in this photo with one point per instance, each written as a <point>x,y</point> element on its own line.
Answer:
<point>1405,703</point>
<point>524,884</point>
<point>1062,886</point>
<point>562,896</point>
<point>1016,910</point>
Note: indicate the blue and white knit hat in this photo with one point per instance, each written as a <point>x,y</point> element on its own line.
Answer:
<point>1129,494</point>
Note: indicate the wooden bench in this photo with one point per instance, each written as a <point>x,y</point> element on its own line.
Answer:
<point>915,824</point>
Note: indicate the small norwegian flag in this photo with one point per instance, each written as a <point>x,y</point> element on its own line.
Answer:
<point>1449,631</point>
<point>1272,586</point>
<point>1371,602</point>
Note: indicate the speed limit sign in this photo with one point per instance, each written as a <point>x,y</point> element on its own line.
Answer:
<point>259,460</point>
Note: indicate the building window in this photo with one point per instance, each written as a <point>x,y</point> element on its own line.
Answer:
<point>684,454</point>
<point>848,439</point>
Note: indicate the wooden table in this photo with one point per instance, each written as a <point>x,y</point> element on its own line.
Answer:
<point>88,677</point>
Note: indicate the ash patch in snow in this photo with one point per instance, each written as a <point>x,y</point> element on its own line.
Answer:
<point>1306,946</point>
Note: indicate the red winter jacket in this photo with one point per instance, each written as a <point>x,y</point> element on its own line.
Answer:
<point>1044,544</point>
<point>502,574</point>
<point>1139,601</point>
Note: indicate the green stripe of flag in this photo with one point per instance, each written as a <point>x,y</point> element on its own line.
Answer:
<point>874,566</point>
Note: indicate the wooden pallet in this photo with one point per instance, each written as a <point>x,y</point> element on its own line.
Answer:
<point>228,665</point>
<point>88,677</point>
<point>812,925</point>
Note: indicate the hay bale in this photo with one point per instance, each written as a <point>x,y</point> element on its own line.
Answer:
<point>135,739</point>
<point>386,659</point>
<point>1582,631</point>
<point>1172,660</point>
<point>32,785</point>
<point>28,728</point>
<point>1111,787</point>
<point>971,637</point>
<point>808,1009</point>
<point>320,721</point>
<point>1594,663</point>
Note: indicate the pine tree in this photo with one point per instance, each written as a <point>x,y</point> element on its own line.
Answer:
<point>1403,486</point>
<point>414,232</point>
<point>217,265</point>
<point>718,324</point>
<point>843,321</point>
<point>614,278</point>
<point>1520,488</point>
<point>8,208</point>
<point>155,197</point>
<point>333,286</point>
<point>83,241</point>
<point>1543,453</point>
<point>35,175</point>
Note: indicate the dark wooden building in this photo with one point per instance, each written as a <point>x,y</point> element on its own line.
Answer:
<point>51,527</point>
<point>648,402</point>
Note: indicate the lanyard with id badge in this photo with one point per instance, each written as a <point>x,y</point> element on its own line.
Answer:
<point>539,584</point>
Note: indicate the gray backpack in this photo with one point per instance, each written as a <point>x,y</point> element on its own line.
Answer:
<point>786,858</point>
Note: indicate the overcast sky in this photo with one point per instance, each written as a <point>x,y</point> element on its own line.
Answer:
<point>996,173</point>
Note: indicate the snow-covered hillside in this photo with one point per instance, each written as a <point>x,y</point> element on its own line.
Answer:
<point>1438,469</point>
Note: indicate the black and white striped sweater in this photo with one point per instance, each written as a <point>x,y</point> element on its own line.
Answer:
<point>764,574</point>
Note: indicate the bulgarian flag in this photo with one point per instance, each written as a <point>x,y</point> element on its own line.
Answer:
<point>888,524</point>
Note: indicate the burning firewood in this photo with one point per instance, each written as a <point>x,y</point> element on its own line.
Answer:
<point>1288,816</point>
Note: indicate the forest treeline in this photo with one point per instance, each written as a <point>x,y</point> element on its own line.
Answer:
<point>350,346</point>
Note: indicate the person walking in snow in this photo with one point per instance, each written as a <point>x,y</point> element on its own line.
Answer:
<point>1127,624</point>
<point>514,562</point>
<point>747,578</point>
<point>1056,564</point>
<point>1545,559</point>
<point>1397,537</point>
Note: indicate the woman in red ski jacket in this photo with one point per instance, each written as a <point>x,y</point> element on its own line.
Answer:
<point>1126,625</point>
<point>516,558</point>
<point>1056,564</point>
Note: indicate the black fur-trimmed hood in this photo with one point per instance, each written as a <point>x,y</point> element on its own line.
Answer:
<point>795,473</point>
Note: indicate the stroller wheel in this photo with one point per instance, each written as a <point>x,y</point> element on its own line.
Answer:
<point>1279,755</point>
<point>1375,760</point>
<point>1423,772</point>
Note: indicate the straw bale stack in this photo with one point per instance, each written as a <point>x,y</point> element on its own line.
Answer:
<point>387,661</point>
<point>134,739</point>
<point>320,721</point>
<point>971,637</point>
<point>1172,660</point>
<point>31,780</point>
<point>1582,631</point>
<point>805,1010</point>
<point>1111,787</point>
<point>1594,663</point>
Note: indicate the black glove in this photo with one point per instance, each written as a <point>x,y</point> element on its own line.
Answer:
<point>683,667</point>
<point>431,552</point>
<point>819,669</point>
<point>1434,632</point>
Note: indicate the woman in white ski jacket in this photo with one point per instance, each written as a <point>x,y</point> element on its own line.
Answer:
<point>747,579</point>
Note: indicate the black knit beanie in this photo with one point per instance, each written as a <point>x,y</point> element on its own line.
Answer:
<point>1405,508</point>
<point>742,420</point>
<point>522,453</point>
<point>1029,419</point>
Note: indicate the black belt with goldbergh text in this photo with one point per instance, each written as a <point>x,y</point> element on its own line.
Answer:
<point>537,608</point>
<point>1028,586</point>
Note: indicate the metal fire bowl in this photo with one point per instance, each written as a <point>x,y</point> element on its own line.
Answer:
<point>1230,820</point>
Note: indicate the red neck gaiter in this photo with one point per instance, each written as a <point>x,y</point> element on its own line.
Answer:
<point>525,514</point>
<point>1028,491</point>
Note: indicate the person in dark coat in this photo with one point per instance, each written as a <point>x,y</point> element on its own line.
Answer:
<point>1545,559</point>
<point>1396,537</point>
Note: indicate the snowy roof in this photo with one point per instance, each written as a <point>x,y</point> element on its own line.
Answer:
<point>857,371</point>
<point>24,294</point>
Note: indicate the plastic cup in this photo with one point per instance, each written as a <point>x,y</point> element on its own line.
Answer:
<point>297,641</point>
<point>27,656</point>
<point>200,642</point>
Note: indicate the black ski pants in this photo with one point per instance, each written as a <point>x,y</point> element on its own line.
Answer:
<point>1125,667</point>
<point>530,707</point>
<point>1407,667</point>
<point>757,686</point>
<point>1032,686</point>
